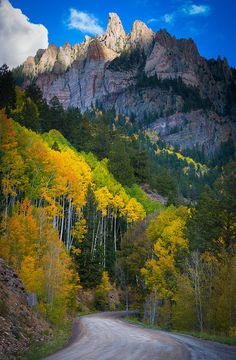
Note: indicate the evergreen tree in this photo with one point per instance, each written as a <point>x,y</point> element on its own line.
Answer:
<point>7,89</point>
<point>120,164</point>
<point>56,119</point>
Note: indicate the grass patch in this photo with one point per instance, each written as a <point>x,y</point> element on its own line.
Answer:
<point>60,337</point>
<point>136,321</point>
<point>87,312</point>
<point>204,336</point>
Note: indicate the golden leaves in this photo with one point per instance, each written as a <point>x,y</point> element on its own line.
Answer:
<point>167,233</point>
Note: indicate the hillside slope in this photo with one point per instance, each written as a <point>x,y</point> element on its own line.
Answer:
<point>19,324</point>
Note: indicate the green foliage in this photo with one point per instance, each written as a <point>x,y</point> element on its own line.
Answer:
<point>184,311</point>
<point>213,219</point>
<point>78,206</point>
<point>128,60</point>
<point>27,115</point>
<point>166,185</point>
<point>189,281</point>
<point>120,163</point>
<point>7,89</point>
<point>61,335</point>
<point>54,136</point>
<point>135,250</point>
<point>149,205</point>
<point>102,293</point>
<point>133,158</point>
<point>85,207</point>
<point>206,294</point>
<point>225,154</point>
<point>18,74</point>
<point>55,146</point>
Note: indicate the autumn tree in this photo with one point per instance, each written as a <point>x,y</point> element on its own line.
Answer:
<point>170,247</point>
<point>33,248</point>
<point>102,292</point>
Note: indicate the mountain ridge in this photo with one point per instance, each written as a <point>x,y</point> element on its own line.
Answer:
<point>142,74</point>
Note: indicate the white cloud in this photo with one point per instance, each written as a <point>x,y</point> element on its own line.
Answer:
<point>194,9</point>
<point>152,20</point>
<point>84,22</point>
<point>19,38</point>
<point>188,9</point>
<point>168,18</point>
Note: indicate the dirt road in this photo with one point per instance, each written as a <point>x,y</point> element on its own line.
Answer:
<point>106,337</point>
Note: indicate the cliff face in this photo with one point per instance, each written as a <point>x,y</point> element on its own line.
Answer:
<point>204,130</point>
<point>149,75</point>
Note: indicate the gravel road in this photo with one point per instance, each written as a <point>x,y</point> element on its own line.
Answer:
<point>107,337</point>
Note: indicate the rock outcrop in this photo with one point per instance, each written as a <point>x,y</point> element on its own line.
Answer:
<point>19,325</point>
<point>200,129</point>
<point>115,36</point>
<point>173,59</point>
<point>141,36</point>
<point>130,73</point>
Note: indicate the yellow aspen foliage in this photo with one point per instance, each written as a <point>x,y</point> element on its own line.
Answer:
<point>62,184</point>
<point>33,248</point>
<point>12,168</point>
<point>102,292</point>
<point>7,133</point>
<point>170,245</point>
<point>134,211</point>
<point>20,237</point>
<point>31,274</point>
<point>104,198</point>
<point>78,232</point>
<point>79,177</point>
<point>58,278</point>
<point>72,176</point>
<point>105,284</point>
<point>12,171</point>
<point>118,203</point>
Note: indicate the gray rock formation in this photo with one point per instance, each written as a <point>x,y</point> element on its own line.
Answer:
<point>130,73</point>
<point>141,36</point>
<point>172,58</point>
<point>200,129</point>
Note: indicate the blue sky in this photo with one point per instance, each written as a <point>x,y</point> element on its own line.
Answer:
<point>211,23</point>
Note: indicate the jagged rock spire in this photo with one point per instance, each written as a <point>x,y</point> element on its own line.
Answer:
<point>141,35</point>
<point>115,36</point>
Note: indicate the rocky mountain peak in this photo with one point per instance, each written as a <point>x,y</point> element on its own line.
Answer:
<point>66,45</point>
<point>115,24</point>
<point>107,71</point>
<point>141,35</point>
<point>185,47</point>
<point>115,36</point>
<point>164,38</point>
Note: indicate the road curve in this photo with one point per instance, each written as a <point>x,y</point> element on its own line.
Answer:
<point>106,337</point>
